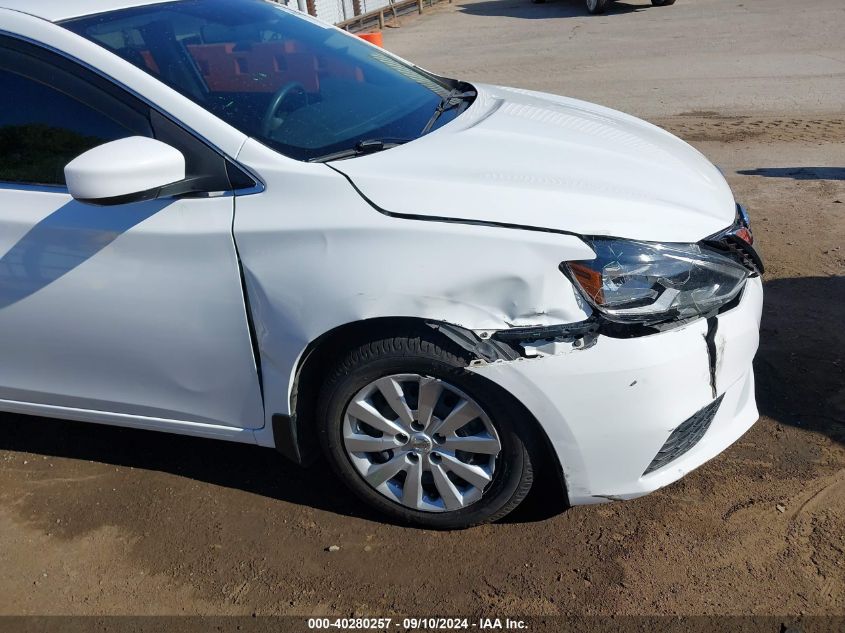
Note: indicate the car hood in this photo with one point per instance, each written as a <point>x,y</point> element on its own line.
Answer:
<point>535,160</point>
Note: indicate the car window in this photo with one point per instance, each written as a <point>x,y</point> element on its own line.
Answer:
<point>49,116</point>
<point>297,85</point>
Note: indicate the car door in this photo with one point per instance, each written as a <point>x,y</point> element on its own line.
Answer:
<point>130,314</point>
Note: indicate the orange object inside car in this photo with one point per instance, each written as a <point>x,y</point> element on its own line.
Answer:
<point>262,67</point>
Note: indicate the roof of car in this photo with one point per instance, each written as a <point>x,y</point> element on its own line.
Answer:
<point>58,10</point>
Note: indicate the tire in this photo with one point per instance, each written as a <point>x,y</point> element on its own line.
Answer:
<point>372,369</point>
<point>596,6</point>
<point>662,3</point>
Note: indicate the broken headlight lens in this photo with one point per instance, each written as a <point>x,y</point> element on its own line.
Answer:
<point>650,282</point>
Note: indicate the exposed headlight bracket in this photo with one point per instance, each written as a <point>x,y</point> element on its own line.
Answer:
<point>737,242</point>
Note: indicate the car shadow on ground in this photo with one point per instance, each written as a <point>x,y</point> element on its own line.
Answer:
<point>797,173</point>
<point>245,467</point>
<point>800,367</point>
<point>800,378</point>
<point>528,10</point>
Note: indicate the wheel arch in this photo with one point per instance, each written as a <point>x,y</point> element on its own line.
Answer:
<point>295,435</point>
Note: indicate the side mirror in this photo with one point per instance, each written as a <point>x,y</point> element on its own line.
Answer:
<point>127,170</point>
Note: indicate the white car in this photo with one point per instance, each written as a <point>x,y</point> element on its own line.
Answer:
<point>598,6</point>
<point>226,219</point>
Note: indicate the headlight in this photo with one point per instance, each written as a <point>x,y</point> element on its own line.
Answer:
<point>631,281</point>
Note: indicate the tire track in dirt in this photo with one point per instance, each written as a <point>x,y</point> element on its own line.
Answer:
<point>711,126</point>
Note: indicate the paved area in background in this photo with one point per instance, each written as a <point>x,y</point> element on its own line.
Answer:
<point>730,56</point>
<point>103,520</point>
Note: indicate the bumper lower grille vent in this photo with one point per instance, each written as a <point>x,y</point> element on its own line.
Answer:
<point>687,435</point>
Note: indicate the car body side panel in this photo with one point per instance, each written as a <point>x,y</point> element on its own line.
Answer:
<point>155,285</point>
<point>166,425</point>
<point>316,256</point>
<point>134,309</point>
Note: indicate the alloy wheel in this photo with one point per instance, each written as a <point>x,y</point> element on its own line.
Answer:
<point>421,442</point>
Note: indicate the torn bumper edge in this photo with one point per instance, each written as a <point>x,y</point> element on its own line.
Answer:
<point>609,408</point>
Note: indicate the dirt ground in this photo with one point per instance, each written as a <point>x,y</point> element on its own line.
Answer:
<point>97,520</point>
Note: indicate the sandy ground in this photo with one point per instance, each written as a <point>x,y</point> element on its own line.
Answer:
<point>95,520</point>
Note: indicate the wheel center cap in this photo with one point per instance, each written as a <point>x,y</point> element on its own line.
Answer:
<point>420,443</point>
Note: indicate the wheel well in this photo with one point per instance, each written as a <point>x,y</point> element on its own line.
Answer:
<point>329,348</point>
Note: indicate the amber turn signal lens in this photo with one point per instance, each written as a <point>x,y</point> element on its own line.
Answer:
<point>744,233</point>
<point>589,279</point>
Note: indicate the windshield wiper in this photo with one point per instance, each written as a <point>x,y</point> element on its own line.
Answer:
<point>455,98</point>
<point>366,146</point>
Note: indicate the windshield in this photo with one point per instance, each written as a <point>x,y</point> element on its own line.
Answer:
<point>302,87</point>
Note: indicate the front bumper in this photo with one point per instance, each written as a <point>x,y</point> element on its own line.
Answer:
<point>610,408</point>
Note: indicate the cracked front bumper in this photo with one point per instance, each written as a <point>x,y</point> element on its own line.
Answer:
<point>609,409</point>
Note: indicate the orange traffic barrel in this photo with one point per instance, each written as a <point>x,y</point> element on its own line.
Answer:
<point>372,38</point>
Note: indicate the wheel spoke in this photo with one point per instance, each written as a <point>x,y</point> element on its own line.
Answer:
<point>392,392</point>
<point>452,498</point>
<point>377,474</point>
<point>430,390</point>
<point>360,443</point>
<point>365,412</point>
<point>421,434</point>
<point>473,444</point>
<point>412,490</point>
<point>473,475</point>
<point>461,415</point>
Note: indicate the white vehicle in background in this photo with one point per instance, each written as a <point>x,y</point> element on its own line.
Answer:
<point>599,6</point>
<point>225,219</point>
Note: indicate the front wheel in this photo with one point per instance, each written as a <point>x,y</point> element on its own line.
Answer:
<point>418,437</point>
<point>596,6</point>
<point>662,3</point>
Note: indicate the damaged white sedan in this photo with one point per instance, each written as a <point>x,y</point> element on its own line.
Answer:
<point>226,219</point>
